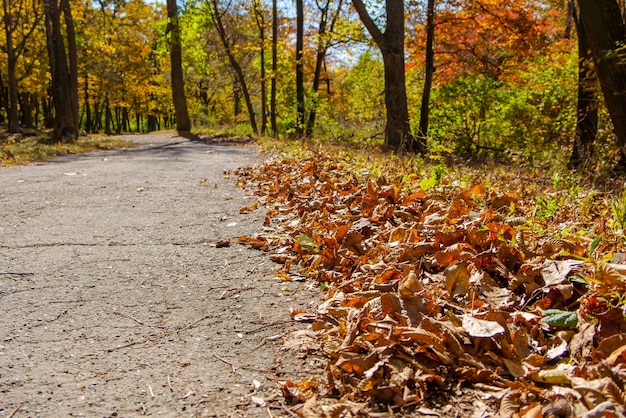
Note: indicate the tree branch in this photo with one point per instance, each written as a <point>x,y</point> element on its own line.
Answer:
<point>369,24</point>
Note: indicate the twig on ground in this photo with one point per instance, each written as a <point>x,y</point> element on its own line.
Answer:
<point>225,361</point>
<point>273,324</point>
<point>130,344</point>
<point>16,273</point>
<point>129,317</point>
<point>169,383</point>
<point>186,327</point>
<point>287,410</point>
<point>151,392</point>
<point>272,338</point>
<point>12,414</point>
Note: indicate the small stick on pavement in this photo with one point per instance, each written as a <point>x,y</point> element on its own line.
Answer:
<point>226,361</point>
<point>129,317</point>
<point>169,383</point>
<point>12,414</point>
<point>151,392</point>
<point>193,323</point>
<point>16,273</point>
<point>289,411</point>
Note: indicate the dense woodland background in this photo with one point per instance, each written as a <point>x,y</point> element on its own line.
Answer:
<point>509,79</point>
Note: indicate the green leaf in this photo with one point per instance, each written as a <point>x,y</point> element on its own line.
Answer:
<point>559,318</point>
<point>594,244</point>
<point>307,243</point>
<point>428,183</point>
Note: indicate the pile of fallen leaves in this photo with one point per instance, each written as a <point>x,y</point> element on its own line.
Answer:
<point>435,287</point>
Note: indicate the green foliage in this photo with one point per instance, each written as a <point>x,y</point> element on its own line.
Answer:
<point>436,174</point>
<point>532,115</point>
<point>618,208</point>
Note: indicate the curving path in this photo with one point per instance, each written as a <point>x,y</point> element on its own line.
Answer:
<point>116,300</point>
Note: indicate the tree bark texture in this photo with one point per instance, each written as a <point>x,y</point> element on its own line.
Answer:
<point>65,126</point>
<point>260,20</point>
<point>391,44</point>
<point>274,68</point>
<point>604,27</point>
<point>429,64</point>
<point>300,68</point>
<point>587,107</point>
<point>183,124</point>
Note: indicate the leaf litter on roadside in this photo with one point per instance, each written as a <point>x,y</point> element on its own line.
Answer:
<point>436,288</point>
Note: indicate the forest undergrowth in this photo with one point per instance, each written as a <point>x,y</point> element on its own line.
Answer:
<point>35,145</point>
<point>493,284</point>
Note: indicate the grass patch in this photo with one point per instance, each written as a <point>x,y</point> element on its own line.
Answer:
<point>26,148</point>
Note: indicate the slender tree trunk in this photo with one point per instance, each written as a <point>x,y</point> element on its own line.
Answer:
<point>183,124</point>
<point>300,68</point>
<point>108,117</point>
<point>15,19</point>
<point>429,64</point>
<point>391,44</point>
<point>322,48</point>
<point>260,20</point>
<point>13,113</point>
<point>87,105</point>
<point>604,27</point>
<point>65,127</point>
<point>72,53</point>
<point>217,19</point>
<point>587,109</point>
<point>274,68</point>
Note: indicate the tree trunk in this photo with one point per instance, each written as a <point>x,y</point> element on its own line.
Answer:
<point>260,20</point>
<point>107,116</point>
<point>65,127</point>
<point>72,53</point>
<point>322,48</point>
<point>587,109</point>
<point>429,64</point>
<point>274,67</point>
<point>87,106</point>
<point>13,113</point>
<point>183,124</point>
<point>299,68</point>
<point>604,27</point>
<point>217,19</point>
<point>391,44</point>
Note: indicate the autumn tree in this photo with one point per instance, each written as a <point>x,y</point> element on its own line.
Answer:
<point>21,19</point>
<point>259,16</point>
<point>604,27</point>
<point>328,18</point>
<point>429,70</point>
<point>228,43</point>
<point>299,68</point>
<point>390,41</point>
<point>63,71</point>
<point>587,106</point>
<point>183,123</point>
<point>273,87</point>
